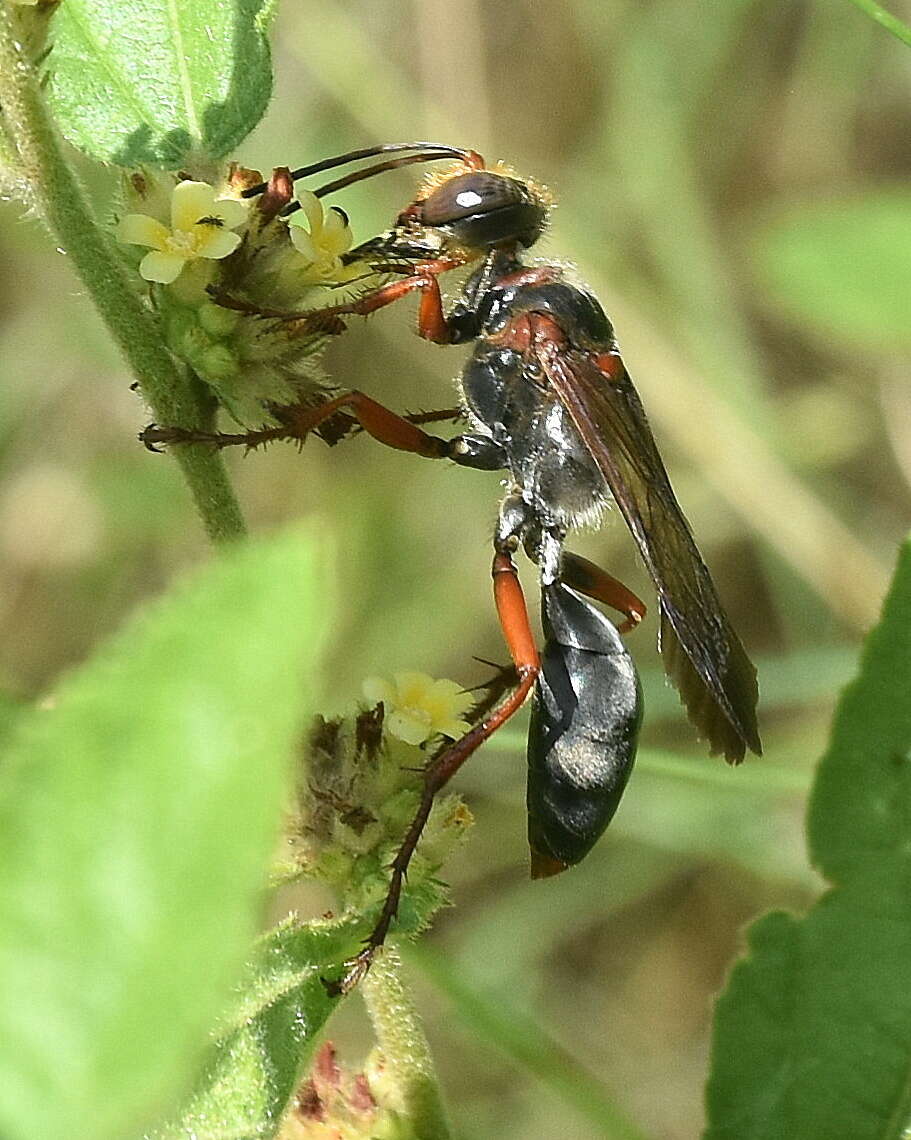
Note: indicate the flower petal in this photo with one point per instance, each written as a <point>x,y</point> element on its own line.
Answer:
<point>140,229</point>
<point>336,236</point>
<point>375,689</point>
<point>412,687</point>
<point>161,267</point>
<point>447,690</point>
<point>453,728</point>
<point>411,729</point>
<point>190,202</point>
<point>303,243</point>
<point>312,208</point>
<point>446,700</point>
<point>217,243</point>
<point>335,220</point>
<point>232,212</point>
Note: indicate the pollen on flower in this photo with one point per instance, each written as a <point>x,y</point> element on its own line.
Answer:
<point>321,236</point>
<point>201,227</point>
<point>418,707</point>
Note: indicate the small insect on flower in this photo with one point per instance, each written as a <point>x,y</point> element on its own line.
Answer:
<point>321,236</point>
<point>200,227</point>
<point>418,707</point>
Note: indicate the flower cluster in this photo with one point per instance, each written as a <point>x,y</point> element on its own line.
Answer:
<point>360,787</point>
<point>215,264</point>
<point>333,1103</point>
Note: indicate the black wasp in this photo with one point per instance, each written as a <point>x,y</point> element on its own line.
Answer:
<point>549,400</point>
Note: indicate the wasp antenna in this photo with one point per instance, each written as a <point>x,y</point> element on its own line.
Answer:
<point>369,172</point>
<point>430,150</point>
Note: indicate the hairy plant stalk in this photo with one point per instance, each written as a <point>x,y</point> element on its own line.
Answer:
<point>409,1066</point>
<point>885,19</point>
<point>174,396</point>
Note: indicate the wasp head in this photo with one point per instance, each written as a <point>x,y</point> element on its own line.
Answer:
<point>480,210</point>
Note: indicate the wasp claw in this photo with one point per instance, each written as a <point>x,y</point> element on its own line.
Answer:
<point>354,971</point>
<point>147,439</point>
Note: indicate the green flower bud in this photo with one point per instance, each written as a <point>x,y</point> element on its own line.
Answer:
<point>216,320</point>
<point>218,363</point>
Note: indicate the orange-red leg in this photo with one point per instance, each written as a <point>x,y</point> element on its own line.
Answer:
<point>432,324</point>
<point>513,616</point>
<point>384,425</point>
<point>591,580</point>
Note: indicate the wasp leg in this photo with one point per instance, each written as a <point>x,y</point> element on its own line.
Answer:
<point>591,580</point>
<point>442,416</point>
<point>513,615</point>
<point>386,426</point>
<point>332,430</point>
<point>432,323</point>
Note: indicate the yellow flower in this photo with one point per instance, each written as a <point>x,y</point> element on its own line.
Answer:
<point>200,226</point>
<point>418,707</point>
<point>326,237</point>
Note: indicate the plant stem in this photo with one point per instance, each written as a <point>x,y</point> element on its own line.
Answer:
<point>400,1036</point>
<point>891,23</point>
<point>171,391</point>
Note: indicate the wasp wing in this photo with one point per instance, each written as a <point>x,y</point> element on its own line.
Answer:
<point>702,654</point>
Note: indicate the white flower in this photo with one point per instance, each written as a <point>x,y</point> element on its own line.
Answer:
<point>418,707</point>
<point>326,237</point>
<point>200,226</point>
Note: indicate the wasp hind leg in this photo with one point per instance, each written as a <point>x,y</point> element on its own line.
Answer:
<point>402,433</point>
<point>513,615</point>
<point>590,579</point>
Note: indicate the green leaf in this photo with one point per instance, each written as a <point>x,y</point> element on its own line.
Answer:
<point>813,1035</point>
<point>262,1048</point>
<point>256,1062</point>
<point>164,83</point>
<point>137,817</point>
<point>844,268</point>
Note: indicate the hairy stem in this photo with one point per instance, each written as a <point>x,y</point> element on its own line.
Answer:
<point>172,394</point>
<point>891,23</point>
<point>400,1036</point>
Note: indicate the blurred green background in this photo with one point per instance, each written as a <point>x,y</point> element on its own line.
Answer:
<point>731,181</point>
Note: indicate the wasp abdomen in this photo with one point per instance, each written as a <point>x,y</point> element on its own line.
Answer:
<point>583,734</point>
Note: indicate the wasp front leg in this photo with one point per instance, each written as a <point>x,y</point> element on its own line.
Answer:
<point>432,322</point>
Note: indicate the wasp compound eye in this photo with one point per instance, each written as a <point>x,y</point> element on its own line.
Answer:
<point>583,734</point>
<point>482,210</point>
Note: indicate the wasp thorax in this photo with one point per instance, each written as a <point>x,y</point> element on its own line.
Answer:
<point>482,209</point>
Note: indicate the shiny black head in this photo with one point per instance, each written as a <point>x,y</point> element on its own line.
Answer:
<point>481,210</point>
<point>583,734</point>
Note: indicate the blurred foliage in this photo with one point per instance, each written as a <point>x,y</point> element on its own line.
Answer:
<point>844,268</point>
<point>813,1034</point>
<point>117,949</point>
<point>693,156</point>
